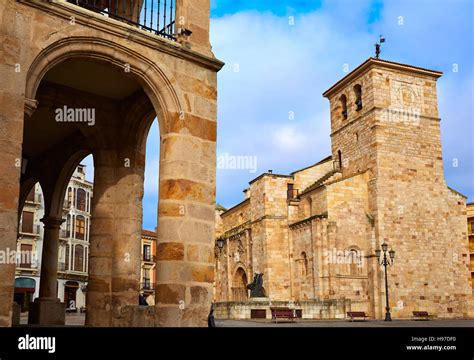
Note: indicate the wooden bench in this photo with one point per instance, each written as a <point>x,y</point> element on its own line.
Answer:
<point>356,314</point>
<point>421,315</point>
<point>282,313</point>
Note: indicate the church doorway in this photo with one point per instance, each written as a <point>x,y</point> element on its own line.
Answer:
<point>239,285</point>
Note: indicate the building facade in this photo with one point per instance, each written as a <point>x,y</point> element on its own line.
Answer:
<point>314,233</point>
<point>148,266</point>
<point>73,246</point>
<point>470,231</point>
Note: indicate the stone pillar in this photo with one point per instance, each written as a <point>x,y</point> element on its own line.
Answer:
<point>48,309</point>
<point>185,249</point>
<point>12,105</point>
<point>99,288</point>
<point>126,255</point>
<point>114,252</point>
<point>194,15</point>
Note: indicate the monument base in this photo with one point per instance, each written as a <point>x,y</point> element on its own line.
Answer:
<point>47,312</point>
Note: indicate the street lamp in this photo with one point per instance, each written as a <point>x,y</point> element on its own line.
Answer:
<point>386,261</point>
<point>220,243</point>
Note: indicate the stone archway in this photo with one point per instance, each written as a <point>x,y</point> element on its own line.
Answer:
<point>239,285</point>
<point>112,273</point>
<point>177,83</point>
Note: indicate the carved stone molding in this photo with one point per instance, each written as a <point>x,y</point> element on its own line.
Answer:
<point>30,106</point>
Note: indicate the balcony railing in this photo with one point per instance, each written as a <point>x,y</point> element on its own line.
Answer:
<point>155,16</point>
<point>147,285</point>
<point>148,258</point>
<point>35,230</point>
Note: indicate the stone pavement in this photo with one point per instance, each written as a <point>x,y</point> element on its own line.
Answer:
<point>346,323</point>
<point>78,320</point>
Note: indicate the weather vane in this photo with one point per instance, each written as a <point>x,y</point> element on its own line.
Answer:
<point>377,46</point>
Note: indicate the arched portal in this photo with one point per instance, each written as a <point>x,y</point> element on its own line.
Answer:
<point>239,285</point>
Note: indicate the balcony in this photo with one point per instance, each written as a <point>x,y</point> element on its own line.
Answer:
<point>64,234</point>
<point>292,194</point>
<point>35,230</point>
<point>147,285</point>
<point>155,16</point>
<point>149,258</point>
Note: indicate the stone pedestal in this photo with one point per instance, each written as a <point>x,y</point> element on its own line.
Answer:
<point>260,299</point>
<point>16,314</point>
<point>47,312</point>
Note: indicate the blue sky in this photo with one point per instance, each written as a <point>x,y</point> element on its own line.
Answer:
<point>282,55</point>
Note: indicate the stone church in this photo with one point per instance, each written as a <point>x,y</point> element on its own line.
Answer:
<point>314,233</point>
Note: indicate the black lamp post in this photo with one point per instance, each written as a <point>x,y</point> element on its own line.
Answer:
<point>386,261</point>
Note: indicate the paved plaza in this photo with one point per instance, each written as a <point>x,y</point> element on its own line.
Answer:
<point>347,323</point>
<point>78,320</point>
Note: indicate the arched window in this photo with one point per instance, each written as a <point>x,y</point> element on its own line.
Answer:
<point>343,103</point>
<point>304,264</point>
<point>86,231</point>
<point>69,197</point>
<point>81,199</point>
<point>355,262</point>
<point>68,226</point>
<point>66,258</point>
<point>78,258</point>
<point>80,227</point>
<point>358,96</point>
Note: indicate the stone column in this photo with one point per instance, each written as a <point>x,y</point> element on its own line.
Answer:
<point>194,15</point>
<point>48,309</point>
<point>185,248</point>
<point>126,255</point>
<point>99,288</point>
<point>114,253</point>
<point>12,113</point>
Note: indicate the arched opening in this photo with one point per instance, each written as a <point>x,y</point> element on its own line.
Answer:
<point>82,100</point>
<point>150,214</point>
<point>354,261</point>
<point>304,264</point>
<point>358,96</point>
<point>239,285</point>
<point>343,106</point>
<point>88,106</point>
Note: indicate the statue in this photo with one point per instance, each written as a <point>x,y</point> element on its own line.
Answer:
<point>256,286</point>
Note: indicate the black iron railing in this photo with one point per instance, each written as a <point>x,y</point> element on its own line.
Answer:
<point>156,16</point>
<point>148,258</point>
<point>147,285</point>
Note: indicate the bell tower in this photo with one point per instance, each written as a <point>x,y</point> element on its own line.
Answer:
<point>384,121</point>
